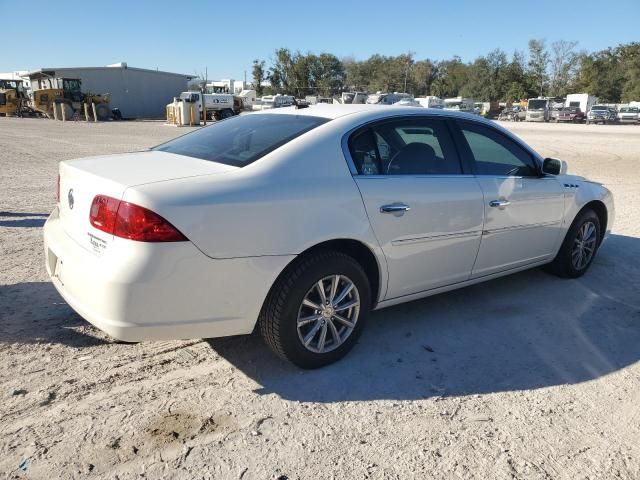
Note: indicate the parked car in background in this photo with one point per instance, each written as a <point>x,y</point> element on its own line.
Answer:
<point>601,114</point>
<point>570,114</point>
<point>554,112</point>
<point>356,207</point>
<point>629,115</point>
<point>513,114</point>
<point>380,98</point>
<point>408,102</point>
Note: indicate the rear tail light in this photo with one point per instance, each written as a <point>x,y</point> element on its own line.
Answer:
<point>127,220</point>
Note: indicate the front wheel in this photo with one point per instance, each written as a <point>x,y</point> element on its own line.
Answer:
<point>317,309</point>
<point>579,246</point>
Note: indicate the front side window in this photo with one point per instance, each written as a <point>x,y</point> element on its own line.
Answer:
<point>414,146</point>
<point>495,154</point>
<point>241,140</point>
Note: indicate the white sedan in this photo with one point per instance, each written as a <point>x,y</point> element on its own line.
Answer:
<point>300,222</point>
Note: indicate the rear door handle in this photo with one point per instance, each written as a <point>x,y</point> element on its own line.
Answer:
<point>395,208</point>
<point>499,203</point>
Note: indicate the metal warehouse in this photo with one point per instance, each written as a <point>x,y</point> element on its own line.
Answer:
<point>137,92</point>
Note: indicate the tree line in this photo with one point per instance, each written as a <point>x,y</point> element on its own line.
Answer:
<point>557,69</point>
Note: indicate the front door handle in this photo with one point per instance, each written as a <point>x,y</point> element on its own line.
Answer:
<point>499,203</point>
<point>395,208</point>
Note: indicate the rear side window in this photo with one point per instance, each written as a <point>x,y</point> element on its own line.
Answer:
<point>412,146</point>
<point>495,154</point>
<point>241,140</point>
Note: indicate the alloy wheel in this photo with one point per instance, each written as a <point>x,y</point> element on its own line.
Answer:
<point>584,245</point>
<point>328,314</point>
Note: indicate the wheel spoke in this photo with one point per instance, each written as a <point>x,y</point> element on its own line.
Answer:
<point>334,333</point>
<point>344,321</point>
<point>306,320</point>
<point>352,303</point>
<point>311,304</point>
<point>335,280</point>
<point>343,294</point>
<point>323,338</point>
<point>312,333</point>
<point>320,288</point>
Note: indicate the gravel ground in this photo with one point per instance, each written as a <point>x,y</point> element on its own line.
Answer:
<point>526,377</point>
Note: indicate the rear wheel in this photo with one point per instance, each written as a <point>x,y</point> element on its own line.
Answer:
<point>317,309</point>
<point>226,113</point>
<point>579,246</point>
<point>102,112</point>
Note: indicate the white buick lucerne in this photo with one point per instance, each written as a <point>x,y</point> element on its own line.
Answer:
<point>299,222</point>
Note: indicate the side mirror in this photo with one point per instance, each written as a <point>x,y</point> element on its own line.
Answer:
<point>553,166</point>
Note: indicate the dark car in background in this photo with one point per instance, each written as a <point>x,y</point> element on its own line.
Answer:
<point>570,114</point>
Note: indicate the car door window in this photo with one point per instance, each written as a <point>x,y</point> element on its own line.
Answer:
<point>495,154</point>
<point>415,146</point>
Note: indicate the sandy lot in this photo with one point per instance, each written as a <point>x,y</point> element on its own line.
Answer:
<point>526,377</point>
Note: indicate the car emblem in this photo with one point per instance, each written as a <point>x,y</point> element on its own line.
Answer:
<point>70,199</point>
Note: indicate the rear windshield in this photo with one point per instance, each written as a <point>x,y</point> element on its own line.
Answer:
<point>239,141</point>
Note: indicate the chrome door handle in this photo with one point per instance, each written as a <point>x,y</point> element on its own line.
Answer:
<point>395,208</point>
<point>499,203</point>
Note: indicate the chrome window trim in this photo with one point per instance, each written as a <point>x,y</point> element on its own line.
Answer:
<point>413,175</point>
<point>344,142</point>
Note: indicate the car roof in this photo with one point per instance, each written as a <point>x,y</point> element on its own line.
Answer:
<point>334,111</point>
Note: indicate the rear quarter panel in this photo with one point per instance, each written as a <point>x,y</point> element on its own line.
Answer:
<point>293,198</point>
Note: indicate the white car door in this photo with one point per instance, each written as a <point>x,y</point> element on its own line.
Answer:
<point>523,210</point>
<point>425,210</point>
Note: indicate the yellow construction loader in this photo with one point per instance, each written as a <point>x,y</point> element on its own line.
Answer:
<point>12,98</point>
<point>63,98</point>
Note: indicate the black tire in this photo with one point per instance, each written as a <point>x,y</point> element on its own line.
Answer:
<point>279,315</point>
<point>562,265</point>
<point>102,112</point>
<point>226,114</point>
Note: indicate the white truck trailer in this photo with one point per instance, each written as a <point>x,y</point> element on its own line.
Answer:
<point>460,104</point>
<point>584,101</point>
<point>430,102</point>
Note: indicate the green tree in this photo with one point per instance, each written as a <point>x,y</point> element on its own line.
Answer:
<point>601,74</point>
<point>258,75</point>
<point>630,65</point>
<point>538,63</point>
<point>452,76</point>
<point>564,64</point>
<point>422,75</point>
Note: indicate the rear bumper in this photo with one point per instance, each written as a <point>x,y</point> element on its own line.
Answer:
<point>137,291</point>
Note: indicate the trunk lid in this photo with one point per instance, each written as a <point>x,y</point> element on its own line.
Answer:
<point>81,180</point>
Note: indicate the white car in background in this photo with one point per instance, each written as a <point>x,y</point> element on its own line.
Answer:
<point>629,115</point>
<point>300,222</point>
